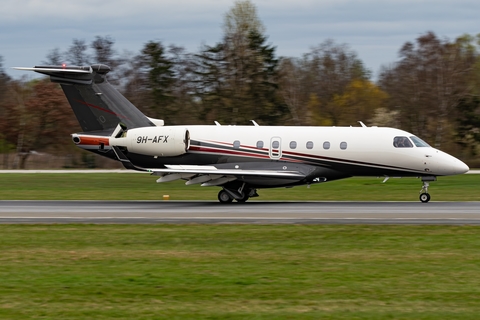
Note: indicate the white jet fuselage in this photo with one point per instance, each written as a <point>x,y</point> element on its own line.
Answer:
<point>357,151</point>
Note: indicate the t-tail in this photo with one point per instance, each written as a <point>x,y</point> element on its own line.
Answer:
<point>97,105</point>
<point>100,109</point>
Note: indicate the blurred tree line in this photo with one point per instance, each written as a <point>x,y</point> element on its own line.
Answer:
<point>431,91</point>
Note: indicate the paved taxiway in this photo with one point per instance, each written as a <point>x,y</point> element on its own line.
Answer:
<point>250,212</point>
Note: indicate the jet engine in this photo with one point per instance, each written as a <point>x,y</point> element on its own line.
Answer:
<point>153,141</point>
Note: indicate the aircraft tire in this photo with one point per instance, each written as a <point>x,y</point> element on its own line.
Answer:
<point>425,197</point>
<point>224,197</point>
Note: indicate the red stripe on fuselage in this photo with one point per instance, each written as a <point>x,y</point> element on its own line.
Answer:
<point>227,152</point>
<point>101,109</point>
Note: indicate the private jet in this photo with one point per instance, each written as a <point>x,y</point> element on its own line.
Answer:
<point>239,159</point>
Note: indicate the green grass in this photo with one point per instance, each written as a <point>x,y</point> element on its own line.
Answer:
<point>236,271</point>
<point>111,186</point>
<point>239,272</point>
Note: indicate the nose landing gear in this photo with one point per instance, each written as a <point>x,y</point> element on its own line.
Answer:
<point>424,195</point>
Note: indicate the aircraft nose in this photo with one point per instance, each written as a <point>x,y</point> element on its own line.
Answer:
<point>459,167</point>
<point>449,165</point>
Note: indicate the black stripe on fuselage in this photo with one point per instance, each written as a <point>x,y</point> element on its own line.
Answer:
<point>205,153</point>
<point>289,156</point>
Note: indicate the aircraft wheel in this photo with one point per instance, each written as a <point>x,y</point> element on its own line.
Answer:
<point>224,197</point>
<point>425,197</point>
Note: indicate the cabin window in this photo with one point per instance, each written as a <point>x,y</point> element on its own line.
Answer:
<point>275,144</point>
<point>293,144</point>
<point>326,145</point>
<point>259,144</point>
<point>343,145</point>
<point>236,144</point>
<point>309,145</point>
<point>402,142</point>
<point>419,142</point>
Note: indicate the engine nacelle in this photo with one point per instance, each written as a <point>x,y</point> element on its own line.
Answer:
<point>154,141</point>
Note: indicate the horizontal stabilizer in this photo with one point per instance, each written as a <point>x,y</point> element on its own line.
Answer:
<point>65,75</point>
<point>56,69</point>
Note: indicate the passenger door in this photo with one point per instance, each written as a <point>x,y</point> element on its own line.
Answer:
<point>275,150</point>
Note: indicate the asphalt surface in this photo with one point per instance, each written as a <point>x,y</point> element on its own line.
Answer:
<point>448,213</point>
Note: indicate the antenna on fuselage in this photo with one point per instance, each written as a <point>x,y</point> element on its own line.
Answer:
<point>362,124</point>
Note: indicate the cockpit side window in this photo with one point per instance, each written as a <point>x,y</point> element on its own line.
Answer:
<point>419,142</point>
<point>402,142</point>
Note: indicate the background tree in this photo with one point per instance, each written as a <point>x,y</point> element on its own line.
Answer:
<point>209,82</point>
<point>468,124</point>
<point>77,53</point>
<point>104,53</point>
<point>475,81</point>
<point>183,88</point>
<point>358,102</point>
<point>38,118</point>
<point>329,69</point>
<point>157,79</point>
<point>240,75</point>
<point>54,58</point>
<point>5,146</point>
<point>294,90</point>
<point>4,79</point>
<point>427,84</point>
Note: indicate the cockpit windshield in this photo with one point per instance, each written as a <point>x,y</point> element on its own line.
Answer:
<point>419,142</point>
<point>402,142</point>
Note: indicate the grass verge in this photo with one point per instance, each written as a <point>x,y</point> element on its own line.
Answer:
<point>121,186</point>
<point>239,272</point>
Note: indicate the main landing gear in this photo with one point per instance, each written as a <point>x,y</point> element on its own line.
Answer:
<point>424,195</point>
<point>224,197</point>
<point>228,195</point>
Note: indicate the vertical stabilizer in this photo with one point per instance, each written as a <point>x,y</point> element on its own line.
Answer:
<point>97,105</point>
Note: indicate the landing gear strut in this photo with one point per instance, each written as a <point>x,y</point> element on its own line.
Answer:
<point>241,195</point>
<point>244,198</point>
<point>424,195</point>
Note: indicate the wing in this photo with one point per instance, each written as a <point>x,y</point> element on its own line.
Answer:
<point>257,173</point>
<point>213,176</point>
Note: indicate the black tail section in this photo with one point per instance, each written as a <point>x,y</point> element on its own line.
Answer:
<point>97,105</point>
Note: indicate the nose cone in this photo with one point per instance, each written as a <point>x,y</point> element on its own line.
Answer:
<point>459,167</point>
<point>453,166</point>
<point>447,165</point>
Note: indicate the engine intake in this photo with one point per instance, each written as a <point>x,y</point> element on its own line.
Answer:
<point>154,141</point>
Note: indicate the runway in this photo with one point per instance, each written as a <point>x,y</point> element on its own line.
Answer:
<point>448,213</point>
